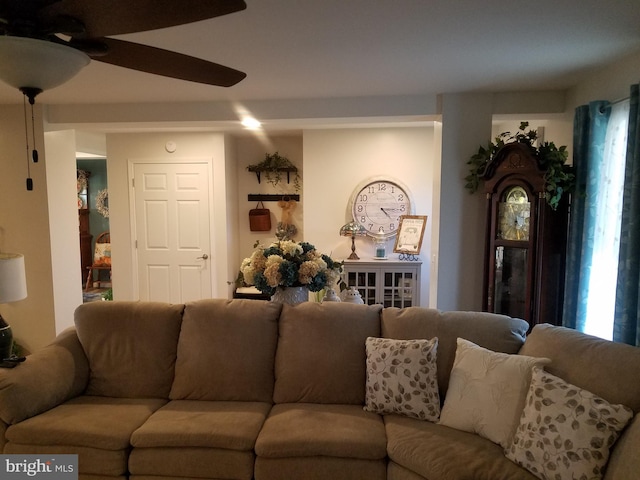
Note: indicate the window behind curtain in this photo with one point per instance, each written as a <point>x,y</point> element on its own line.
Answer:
<point>604,269</point>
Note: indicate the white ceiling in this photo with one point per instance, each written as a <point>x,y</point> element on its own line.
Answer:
<point>294,49</point>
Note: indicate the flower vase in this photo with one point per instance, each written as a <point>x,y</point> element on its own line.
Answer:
<point>291,295</point>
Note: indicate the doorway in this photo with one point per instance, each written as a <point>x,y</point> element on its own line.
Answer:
<point>171,231</point>
<point>93,220</point>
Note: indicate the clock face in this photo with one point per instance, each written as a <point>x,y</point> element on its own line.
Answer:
<point>514,214</point>
<point>378,205</point>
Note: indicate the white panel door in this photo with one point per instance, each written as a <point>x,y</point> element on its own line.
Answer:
<point>172,231</point>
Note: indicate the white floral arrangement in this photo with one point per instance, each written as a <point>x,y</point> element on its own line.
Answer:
<point>289,264</point>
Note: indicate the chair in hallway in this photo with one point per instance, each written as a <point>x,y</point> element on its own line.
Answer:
<point>101,258</point>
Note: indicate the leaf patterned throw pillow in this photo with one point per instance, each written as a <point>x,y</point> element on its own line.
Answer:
<point>401,378</point>
<point>565,432</point>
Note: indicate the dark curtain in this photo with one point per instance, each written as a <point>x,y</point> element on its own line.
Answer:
<point>589,131</point>
<point>627,314</point>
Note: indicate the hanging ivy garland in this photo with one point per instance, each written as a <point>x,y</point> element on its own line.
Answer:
<point>559,177</point>
<point>102,203</point>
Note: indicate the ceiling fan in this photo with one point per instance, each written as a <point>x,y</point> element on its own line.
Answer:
<point>44,43</point>
<point>61,36</point>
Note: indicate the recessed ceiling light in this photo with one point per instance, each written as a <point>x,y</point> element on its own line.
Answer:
<point>251,123</point>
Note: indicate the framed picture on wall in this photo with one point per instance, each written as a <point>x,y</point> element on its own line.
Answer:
<point>410,234</point>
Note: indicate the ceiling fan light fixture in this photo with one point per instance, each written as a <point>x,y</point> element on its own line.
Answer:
<point>39,64</point>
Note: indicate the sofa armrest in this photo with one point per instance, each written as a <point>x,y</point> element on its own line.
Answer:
<point>3,440</point>
<point>624,461</point>
<point>47,378</point>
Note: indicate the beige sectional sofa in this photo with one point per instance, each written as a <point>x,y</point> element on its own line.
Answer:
<point>243,389</point>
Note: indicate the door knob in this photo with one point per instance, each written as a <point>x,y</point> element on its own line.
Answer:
<point>203,257</point>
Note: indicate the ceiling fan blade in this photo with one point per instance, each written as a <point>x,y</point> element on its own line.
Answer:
<point>169,64</point>
<point>21,6</point>
<point>21,16</point>
<point>104,18</point>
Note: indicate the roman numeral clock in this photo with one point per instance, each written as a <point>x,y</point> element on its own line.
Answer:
<point>525,242</point>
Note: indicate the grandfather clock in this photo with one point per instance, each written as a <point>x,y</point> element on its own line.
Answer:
<point>86,252</point>
<point>525,243</point>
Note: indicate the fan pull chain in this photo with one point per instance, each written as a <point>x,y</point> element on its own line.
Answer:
<point>30,93</point>
<point>26,136</point>
<point>34,153</point>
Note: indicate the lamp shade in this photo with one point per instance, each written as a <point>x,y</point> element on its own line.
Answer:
<point>352,229</point>
<point>13,282</point>
<point>31,63</point>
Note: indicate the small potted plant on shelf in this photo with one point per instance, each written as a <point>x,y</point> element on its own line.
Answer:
<point>559,177</point>
<point>274,166</point>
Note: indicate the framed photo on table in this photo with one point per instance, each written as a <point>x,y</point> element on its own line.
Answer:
<point>410,233</point>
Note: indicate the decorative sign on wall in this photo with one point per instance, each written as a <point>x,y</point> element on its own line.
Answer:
<point>410,234</point>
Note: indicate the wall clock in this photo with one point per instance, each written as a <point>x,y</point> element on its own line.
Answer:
<point>378,203</point>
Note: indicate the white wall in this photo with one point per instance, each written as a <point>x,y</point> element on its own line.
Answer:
<point>558,130</point>
<point>229,234</point>
<point>63,214</point>
<point>250,150</point>
<point>610,83</point>
<point>466,123</point>
<point>336,161</point>
<point>25,228</point>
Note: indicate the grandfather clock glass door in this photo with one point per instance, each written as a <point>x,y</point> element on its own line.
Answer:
<point>510,277</point>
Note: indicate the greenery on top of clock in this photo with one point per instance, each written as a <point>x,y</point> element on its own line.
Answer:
<point>274,166</point>
<point>559,177</point>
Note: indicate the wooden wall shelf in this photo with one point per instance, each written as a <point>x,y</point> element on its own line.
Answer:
<point>258,171</point>
<point>260,197</point>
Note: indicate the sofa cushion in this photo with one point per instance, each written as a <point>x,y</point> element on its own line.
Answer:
<point>190,463</point>
<point>565,431</point>
<point>495,332</point>
<point>321,352</point>
<point>401,377</point>
<point>193,423</point>
<point>131,347</point>
<point>487,391</point>
<point>304,429</point>
<point>226,351</point>
<point>91,424</point>
<point>193,438</point>
<point>319,468</point>
<point>604,368</point>
<point>437,452</point>
<point>93,463</point>
<point>90,421</point>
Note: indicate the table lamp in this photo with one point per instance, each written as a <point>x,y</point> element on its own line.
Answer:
<point>13,287</point>
<point>353,230</point>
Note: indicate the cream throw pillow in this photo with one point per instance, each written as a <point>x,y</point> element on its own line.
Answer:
<point>401,378</point>
<point>565,431</point>
<point>487,391</point>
